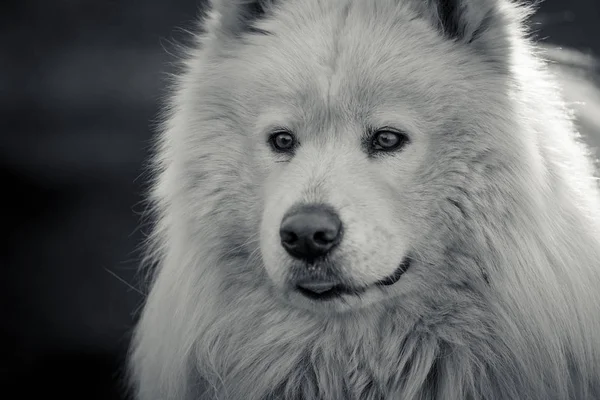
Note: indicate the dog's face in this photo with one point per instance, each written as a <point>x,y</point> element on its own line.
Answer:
<point>351,138</point>
<point>342,205</point>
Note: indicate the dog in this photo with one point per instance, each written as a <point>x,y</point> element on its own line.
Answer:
<point>371,199</point>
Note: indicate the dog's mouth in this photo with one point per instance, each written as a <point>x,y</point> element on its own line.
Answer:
<point>395,277</point>
<point>328,290</point>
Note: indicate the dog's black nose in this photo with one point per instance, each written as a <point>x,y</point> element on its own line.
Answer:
<point>310,232</point>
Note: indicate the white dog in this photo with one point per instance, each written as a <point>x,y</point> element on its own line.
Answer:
<point>368,200</point>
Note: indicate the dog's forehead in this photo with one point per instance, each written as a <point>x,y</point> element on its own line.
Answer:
<point>357,53</point>
<point>326,70</point>
<point>356,89</point>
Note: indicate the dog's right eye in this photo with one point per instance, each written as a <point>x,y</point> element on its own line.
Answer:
<point>386,140</point>
<point>282,142</point>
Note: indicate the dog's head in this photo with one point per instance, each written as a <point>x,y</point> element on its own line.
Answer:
<point>361,125</point>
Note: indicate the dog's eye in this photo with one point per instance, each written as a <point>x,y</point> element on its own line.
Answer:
<point>388,140</point>
<point>282,141</point>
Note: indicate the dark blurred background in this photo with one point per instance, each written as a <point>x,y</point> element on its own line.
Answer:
<point>81,82</point>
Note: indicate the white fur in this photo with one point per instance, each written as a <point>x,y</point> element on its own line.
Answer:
<point>494,197</point>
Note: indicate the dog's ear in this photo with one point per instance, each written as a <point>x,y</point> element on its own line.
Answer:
<point>487,25</point>
<point>464,20</point>
<point>470,20</point>
<point>236,17</point>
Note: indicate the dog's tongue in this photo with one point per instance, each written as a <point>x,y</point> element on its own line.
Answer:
<point>316,286</point>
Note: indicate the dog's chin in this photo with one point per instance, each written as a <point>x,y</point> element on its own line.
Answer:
<point>344,296</point>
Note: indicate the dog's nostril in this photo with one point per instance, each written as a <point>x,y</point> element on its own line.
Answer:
<point>325,237</point>
<point>288,237</point>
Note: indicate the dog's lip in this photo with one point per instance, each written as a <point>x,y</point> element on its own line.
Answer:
<point>395,277</point>
<point>329,290</point>
<point>335,290</point>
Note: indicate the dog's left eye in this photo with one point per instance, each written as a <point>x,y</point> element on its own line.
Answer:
<point>388,140</point>
<point>282,141</point>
